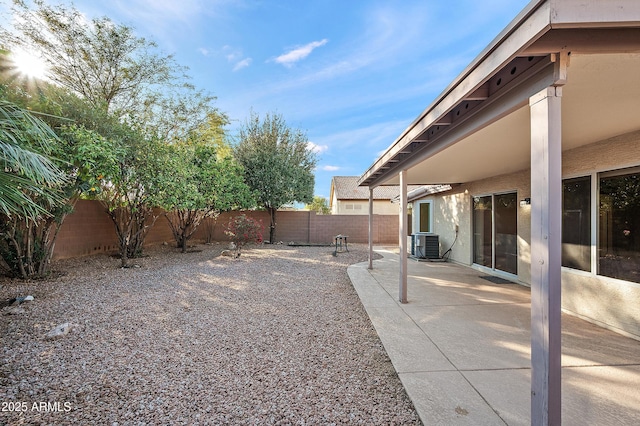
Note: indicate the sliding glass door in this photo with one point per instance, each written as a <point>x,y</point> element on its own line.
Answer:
<point>483,231</point>
<point>495,232</point>
<point>506,237</point>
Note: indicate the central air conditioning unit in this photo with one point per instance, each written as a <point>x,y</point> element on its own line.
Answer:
<point>425,245</point>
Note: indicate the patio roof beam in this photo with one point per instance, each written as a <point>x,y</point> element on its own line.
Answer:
<point>587,41</point>
<point>445,120</point>
<point>514,94</point>
<point>480,94</point>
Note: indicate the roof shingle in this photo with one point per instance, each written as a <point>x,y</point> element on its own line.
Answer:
<point>346,188</point>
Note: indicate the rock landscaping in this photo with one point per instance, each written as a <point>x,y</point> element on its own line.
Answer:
<point>276,336</point>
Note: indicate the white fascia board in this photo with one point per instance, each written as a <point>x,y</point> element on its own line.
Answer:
<point>586,14</point>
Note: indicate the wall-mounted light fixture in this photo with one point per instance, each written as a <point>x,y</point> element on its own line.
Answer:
<point>525,202</point>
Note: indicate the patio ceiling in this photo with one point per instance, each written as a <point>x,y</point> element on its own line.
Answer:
<point>480,126</point>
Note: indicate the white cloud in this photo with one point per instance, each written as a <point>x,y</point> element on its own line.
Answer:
<point>299,53</point>
<point>242,64</point>
<point>204,51</point>
<point>236,57</point>
<point>232,54</point>
<point>317,148</point>
<point>330,168</point>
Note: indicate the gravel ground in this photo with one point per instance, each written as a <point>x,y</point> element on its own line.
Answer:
<point>277,336</point>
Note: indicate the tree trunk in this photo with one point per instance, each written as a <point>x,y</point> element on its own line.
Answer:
<point>272,226</point>
<point>27,246</point>
<point>132,225</point>
<point>183,224</point>
<point>124,259</point>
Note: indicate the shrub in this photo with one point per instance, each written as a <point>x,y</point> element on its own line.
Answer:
<point>242,230</point>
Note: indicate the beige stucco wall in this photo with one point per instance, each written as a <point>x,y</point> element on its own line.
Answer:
<point>614,304</point>
<point>611,303</point>
<point>450,210</point>
<point>359,207</point>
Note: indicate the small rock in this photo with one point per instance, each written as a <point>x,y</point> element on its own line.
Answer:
<point>22,299</point>
<point>61,330</point>
<point>230,253</point>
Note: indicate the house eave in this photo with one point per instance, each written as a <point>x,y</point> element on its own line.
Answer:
<point>543,29</point>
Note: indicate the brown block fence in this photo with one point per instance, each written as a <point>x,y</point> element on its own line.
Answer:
<point>89,230</point>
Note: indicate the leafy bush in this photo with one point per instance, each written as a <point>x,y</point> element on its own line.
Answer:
<point>242,230</point>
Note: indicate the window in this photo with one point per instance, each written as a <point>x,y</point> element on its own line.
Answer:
<point>619,225</point>
<point>424,216</point>
<point>576,223</point>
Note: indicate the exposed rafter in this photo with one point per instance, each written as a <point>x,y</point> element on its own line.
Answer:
<point>502,81</point>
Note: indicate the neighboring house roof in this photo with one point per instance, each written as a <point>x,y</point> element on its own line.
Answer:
<point>346,188</point>
<point>422,191</point>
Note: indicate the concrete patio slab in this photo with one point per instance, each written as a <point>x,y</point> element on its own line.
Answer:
<point>461,347</point>
<point>502,331</point>
<point>408,347</point>
<point>448,398</point>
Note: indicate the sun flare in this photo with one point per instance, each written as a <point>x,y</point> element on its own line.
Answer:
<point>29,65</point>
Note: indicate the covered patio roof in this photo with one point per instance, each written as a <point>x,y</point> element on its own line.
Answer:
<point>480,126</point>
<point>563,74</point>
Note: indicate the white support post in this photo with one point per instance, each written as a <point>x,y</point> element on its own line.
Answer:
<point>402,237</point>
<point>546,240</point>
<point>370,228</point>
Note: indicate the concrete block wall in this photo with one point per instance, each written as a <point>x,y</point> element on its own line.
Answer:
<point>160,231</point>
<point>86,231</point>
<point>385,229</point>
<point>89,230</point>
<point>292,226</point>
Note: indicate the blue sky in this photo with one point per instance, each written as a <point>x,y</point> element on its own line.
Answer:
<point>351,73</point>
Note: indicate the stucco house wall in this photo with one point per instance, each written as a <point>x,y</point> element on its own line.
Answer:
<point>360,207</point>
<point>608,302</point>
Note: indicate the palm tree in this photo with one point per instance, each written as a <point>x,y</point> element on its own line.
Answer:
<point>29,180</point>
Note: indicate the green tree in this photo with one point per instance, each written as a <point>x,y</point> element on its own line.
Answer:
<point>277,163</point>
<point>196,182</point>
<point>111,68</point>
<point>120,172</point>
<point>319,205</point>
<point>122,77</point>
<point>101,61</point>
<point>32,241</point>
<point>102,157</point>
<point>129,194</point>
